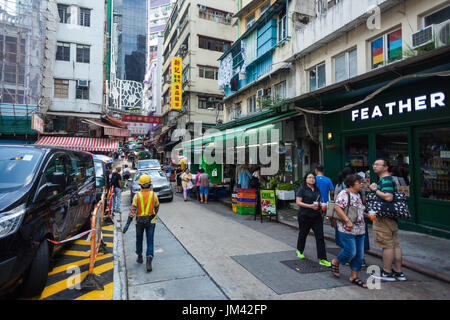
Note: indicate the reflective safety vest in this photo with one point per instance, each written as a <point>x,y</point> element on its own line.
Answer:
<point>145,206</point>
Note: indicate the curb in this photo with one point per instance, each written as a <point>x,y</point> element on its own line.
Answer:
<point>120,290</point>
<point>407,264</point>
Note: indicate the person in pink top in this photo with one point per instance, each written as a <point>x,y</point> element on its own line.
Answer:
<point>197,183</point>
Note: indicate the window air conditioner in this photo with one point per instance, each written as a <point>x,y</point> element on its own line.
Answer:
<point>82,83</point>
<point>422,37</point>
<point>202,8</point>
<point>260,93</point>
<point>211,99</point>
<point>442,32</point>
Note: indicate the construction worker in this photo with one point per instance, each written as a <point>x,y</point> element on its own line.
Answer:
<point>144,207</point>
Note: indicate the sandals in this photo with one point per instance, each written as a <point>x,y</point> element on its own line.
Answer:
<point>335,270</point>
<point>357,281</point>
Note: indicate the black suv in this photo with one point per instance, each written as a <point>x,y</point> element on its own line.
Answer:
<point>45,193</point>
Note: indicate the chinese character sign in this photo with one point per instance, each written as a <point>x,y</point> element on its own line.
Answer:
<point>175,84</point>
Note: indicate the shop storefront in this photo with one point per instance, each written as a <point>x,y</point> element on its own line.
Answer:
<point>409,124</point>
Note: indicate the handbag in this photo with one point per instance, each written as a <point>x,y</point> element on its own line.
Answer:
<point>351,211</point>
<point>398,208</point>
<point>189,185</point>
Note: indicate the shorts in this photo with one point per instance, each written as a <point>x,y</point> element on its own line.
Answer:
<point>385,233</point>
<point>204,190</point>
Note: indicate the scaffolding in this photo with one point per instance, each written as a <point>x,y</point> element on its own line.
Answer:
<point>27,53</point>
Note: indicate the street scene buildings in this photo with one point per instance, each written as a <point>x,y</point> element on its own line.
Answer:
<point>229,107</point>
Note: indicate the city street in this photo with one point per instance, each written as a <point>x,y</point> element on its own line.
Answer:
<point>209,252</point>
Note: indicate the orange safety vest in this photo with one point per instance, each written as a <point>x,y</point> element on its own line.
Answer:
<point>145,204</point>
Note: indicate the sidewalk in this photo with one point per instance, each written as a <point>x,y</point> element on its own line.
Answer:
<point>176,274</point>
<point>422,253</point>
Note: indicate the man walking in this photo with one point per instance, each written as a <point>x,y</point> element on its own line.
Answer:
<point>144,207</point>
<point>324,184</point>
<point>385,230</point>
<point>116,182</point>
<point>204,186</point>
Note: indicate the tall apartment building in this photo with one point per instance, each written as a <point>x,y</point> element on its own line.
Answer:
<point>78,76</point>
<point>198,32</point>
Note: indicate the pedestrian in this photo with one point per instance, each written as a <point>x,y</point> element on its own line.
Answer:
<point>351,234</point>
<point>186,178</point>
<point>324,184</point>
<point>310,217</point>
<point>255,184</point>
<point>339,187</point>
<point>204,186</point>
<point>244,177</point>
<point>385,230</point>
<point>197,183</point>
<point>145,207</point>
<point>168,171</point>
<point>178,174</point>
<point>116,182</point>
<point>126,174</point>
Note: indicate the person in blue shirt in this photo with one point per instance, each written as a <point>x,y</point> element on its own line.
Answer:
<point>324,184</point>
<point>244,177</point>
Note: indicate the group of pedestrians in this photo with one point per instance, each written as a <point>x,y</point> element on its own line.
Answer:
<point>187,183</point>
<point>351,236</point>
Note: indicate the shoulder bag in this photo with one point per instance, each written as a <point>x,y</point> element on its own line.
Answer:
<point>398,208</point>
<point>351,211</point>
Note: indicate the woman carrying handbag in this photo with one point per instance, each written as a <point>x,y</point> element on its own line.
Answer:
<point>351,234</point>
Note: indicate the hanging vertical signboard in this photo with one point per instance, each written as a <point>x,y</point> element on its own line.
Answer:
<point>175,84</point>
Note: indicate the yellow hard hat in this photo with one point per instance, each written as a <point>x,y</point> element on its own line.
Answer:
<point>145,180</point>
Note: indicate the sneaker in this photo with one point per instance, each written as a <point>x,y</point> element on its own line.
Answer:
<point>385,276</point>
<point>325,263</point>
<point>400,276</point>
<point>300,255</point>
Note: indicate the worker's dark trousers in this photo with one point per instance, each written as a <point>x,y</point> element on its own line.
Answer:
<point>150,232</point>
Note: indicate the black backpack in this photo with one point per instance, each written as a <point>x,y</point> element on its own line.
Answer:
<point>254,182</point>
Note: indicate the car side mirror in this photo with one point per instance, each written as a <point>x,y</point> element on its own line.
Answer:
<point>58,181</point>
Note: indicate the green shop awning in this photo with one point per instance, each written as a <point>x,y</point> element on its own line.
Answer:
<point>246,130</point>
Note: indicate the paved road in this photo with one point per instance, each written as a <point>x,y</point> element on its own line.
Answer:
<point>251,260</point>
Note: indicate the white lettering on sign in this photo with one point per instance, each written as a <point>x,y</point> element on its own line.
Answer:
<point>418,103</point>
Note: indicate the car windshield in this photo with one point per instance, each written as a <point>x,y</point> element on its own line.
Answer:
<point>98,168</point>
<point>17,166</point>
<point>152,163</point>
<point>154,175</point>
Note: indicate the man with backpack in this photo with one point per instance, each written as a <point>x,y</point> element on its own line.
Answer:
<point>385,230</point>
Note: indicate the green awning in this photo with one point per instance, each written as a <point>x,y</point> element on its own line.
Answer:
<point>237,132</point>
<point>11,125</point>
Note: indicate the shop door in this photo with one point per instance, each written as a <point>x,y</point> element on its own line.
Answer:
<point>432,158</point>
<point>357,154</point>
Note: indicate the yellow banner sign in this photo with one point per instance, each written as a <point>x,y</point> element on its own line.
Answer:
<point>175,84</point>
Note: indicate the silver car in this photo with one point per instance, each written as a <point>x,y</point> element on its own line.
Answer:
<point>160,184</point>
<point>144,165</point>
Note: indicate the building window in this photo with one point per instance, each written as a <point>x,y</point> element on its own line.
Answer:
<point>280,91</point>
<point>213,44</point>
<point>251,104</point>
<point>264,8</point>
<point>345,66</point>
<point>61,88</point>
<point>282,31</point>
<point>12,60</point>
<point>85,17</point>
<point>82,93</point>
<point>83,53</point>
<point>237,110</point>
<point>250,20</point>
<point>209,103</point>
<point>208,72</point>
<point>63,51</point>
<point>64,14</point>
<point>214,15</point>
<point>317,77</point>
<point>386,49</point>
<point>437,17</point>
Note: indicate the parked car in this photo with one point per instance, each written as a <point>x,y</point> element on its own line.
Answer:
<point>45,194</point>
<point>148,164</point>
<point>160,184</point>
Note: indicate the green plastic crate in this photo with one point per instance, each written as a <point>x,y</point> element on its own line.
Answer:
<point>246,210</point>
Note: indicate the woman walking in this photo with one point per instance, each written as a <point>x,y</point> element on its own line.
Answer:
<point>351,235</point>
<point>310,217</point>
<point>186,177</point>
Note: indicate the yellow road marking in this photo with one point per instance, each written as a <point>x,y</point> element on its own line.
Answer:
<point>77,263</point>
<point>63,284</point>
<point>76,253</point>
<point>106,294</point>
<point>108,228</point>
<point>84,242</point>
<point>107,235</point>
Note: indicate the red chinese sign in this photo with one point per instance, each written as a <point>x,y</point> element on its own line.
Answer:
<point>139,118</point>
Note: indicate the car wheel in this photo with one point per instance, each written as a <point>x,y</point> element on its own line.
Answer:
<point>36,279</point>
